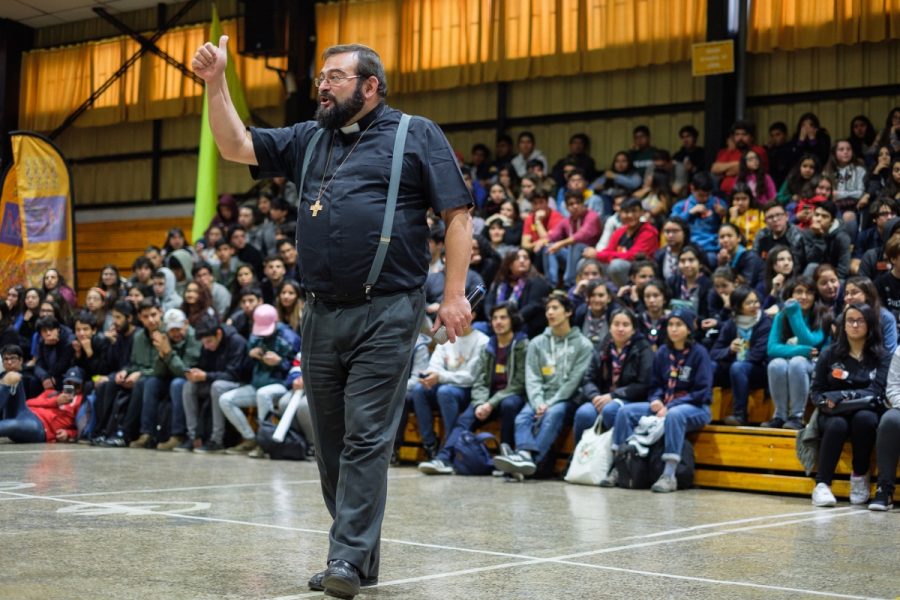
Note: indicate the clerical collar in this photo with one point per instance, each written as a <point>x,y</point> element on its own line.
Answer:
<point>365,121</point>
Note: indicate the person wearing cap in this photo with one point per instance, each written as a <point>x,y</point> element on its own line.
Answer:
<point>50,417</point>
<point>272,346</point>
<point>681,391</point>
<point>177,350</point>
<point>223,366</point>
<point>826,241</point>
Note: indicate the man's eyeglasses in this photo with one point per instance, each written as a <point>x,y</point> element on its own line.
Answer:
<point>775,216</point>
<point>333,79</point>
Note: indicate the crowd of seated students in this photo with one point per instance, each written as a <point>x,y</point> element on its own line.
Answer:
<point>612,294</point>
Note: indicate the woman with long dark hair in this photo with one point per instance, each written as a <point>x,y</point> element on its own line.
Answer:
<point>800,174</point>
<point>53,281</point>
<point>890,135</point>
<point>111,282</point>
<point>854,367</point>
<point>861,290</point>
<point>810,138</point>
<point>197,303</point>
<point>740,351</point>
<point>798,334</point>
<point>518,281</point>
<point>619,372</point>
<point>780,268</point>
<point>289,302</point>
<point>862,136</point>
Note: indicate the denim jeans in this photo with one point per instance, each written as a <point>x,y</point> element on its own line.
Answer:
<point>789,385</point>
<point>153,390</point>
<point>586,415</point>
<point>190,395</point>
<point>745,376</point>
<point>450,399</point>
<point>176,388</point>
<point>21,425</point>
<point>507,411</point>
<point>265,399</point>
<point>680,419</point>
<point>537,435</point>
<point>551,263</point>
<point>232,402</point>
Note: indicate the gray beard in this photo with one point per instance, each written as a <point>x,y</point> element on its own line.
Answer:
<point>340,113</point>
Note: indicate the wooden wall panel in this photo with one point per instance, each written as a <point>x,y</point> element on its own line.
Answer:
<point>824,68</point>
<point>85,142</point>
<point>834,115</point>
<point>458,105</point>
<point>663,84</point>
<point>109,183</point>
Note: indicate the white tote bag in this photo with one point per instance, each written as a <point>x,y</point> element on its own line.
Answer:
<point>592,458</point>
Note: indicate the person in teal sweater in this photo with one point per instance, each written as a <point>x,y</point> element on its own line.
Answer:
<point>555,364</point>
<point>798,335</point>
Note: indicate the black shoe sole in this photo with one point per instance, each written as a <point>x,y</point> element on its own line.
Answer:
<point>338,587</point>
<point>315,582</point>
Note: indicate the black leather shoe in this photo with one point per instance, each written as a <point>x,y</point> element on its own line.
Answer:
<point>341,580</point>
<point>316,584</point>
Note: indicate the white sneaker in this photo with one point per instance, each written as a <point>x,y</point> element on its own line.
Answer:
<point>435,467</point>
<point>859,489</point>
<point>822,496</point>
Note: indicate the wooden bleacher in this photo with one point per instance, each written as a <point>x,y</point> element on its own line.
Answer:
<point>118,242</point>
<point>750,459</point>
<point>736,458</point>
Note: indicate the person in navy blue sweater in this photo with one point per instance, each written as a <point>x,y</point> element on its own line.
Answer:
<point>681,391</point>
<point>779,270</point>
<point>748,267</point>
<point>740,351</point>
<point>691,287</point>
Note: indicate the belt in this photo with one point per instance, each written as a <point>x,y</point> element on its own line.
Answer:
<point>350,300</point>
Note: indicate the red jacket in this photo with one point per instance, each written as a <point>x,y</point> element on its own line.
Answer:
<point>550,221</point>
<point>53,416</point>
<point>645,241</point>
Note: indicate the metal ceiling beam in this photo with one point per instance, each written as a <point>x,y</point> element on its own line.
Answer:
<point>121,71</point>
<point>147,45</point>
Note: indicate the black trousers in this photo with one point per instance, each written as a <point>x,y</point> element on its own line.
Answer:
<point>355,366</point>
<point>888,448</point>
<point>860,427</point>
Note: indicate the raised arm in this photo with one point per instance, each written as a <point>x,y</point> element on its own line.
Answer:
<point>231,136</point>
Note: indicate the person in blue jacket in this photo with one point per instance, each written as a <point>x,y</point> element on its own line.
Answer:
<point>797,336</point>
<point>740,351</point>
<point>681,391</point>
<point>704,212</point>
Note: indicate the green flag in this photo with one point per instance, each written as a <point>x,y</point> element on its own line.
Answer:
<point>206,198</point>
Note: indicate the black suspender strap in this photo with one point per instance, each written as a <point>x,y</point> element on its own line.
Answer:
<point>308,157</point>
<point>391,204</point>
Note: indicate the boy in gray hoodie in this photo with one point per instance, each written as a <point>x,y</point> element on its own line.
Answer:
<point>554,367</point>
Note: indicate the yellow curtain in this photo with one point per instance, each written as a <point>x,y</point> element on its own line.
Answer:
<point>439,44</point>
<point>793,24</point>
<point>56,81</point>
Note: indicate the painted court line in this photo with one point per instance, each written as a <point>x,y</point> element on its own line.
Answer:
<point>48,451</point>
<point>529,561</point>
<point>195,488</point>
<point>525,560</point>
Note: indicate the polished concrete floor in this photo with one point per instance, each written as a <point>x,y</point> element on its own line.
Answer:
<point>81,522</point>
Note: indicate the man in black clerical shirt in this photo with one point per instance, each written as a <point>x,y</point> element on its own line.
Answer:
<point>355,334</point>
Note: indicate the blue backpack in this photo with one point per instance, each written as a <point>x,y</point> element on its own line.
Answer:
<point>86,417</point>
<point>471,456</point>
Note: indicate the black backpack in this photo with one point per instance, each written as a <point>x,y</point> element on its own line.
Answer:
<point>639,473</point>
<point>293,447</point>
<point>633,469</point>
